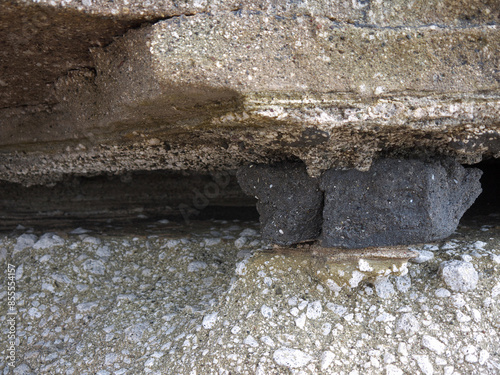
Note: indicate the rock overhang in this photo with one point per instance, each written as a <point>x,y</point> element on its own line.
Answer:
<point>213,91</point>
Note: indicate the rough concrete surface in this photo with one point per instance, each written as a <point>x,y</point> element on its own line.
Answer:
<point>289,201</point>
<point>214,85</point>
<point>166,299</point>
<point>396,202</point>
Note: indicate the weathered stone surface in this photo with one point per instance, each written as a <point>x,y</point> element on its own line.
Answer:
<point>289,201</point>
<point>259,84</point>
<point>396,202</point>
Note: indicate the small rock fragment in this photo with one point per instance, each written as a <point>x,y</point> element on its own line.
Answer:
<point>424,364</point>
<point>326,360</point>
<point>292,358</point>
<point>209,320</point>
<point>433,344</point>
<point>24,241</point>
<point>460,276</point>
<point>314,310</point>
<point>48,240</point>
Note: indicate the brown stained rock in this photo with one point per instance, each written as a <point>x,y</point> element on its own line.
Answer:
<point>213,87</point>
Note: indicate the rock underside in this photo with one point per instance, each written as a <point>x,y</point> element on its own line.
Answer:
<point>215,85</point>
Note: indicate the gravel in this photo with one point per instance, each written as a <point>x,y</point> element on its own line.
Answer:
<point>177,300</point>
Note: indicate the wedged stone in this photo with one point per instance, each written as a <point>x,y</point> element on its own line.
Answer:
<point>396,202</point>
<point>289,201</point>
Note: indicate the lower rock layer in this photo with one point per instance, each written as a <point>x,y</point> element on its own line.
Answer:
<point>290,201</point>
<point>396,202</point>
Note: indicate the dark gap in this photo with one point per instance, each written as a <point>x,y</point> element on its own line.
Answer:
<point>487,205</point>
<point>181,197</point>
<point>131,198</point>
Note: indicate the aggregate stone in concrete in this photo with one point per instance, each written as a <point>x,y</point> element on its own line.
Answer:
<point>149,314</point>
<point>289,201</point>
<point>396,202</point>
<point>460,276</point>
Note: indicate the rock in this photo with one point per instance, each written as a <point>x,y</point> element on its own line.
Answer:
<point>423,256</point>
<point>24,241</point>
<point>48,240</point>
<point>209,320</point>
<point>433,344</point>
<point>292,358</point>
<point>460,276</point>
<point>424,364</point>
<point>289,201</point>
<point>396,202</point>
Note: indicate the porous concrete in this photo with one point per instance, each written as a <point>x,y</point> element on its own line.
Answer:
<point>396,202</point>
<point>168,299</point>
<point>288,200</point>
<point>214,86</point>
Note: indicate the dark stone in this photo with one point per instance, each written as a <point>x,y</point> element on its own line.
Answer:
<point>396,202</point>
<point>289,201</point>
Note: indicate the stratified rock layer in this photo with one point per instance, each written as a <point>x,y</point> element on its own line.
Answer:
<point>396,202</point>
<point>289,201</point>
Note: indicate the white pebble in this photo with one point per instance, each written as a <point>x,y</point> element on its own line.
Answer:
<point>48,240</point>
<point>266,311</point>
<point>442,293</point>
<point>408,323</point>
<point>196,266</point>
<point>292,358</point>
<point>393,370</point>
<point>424,364</point>
<point>268,341</point>
<point>384,287</point>
<point>326,359</point>
<point>423,256</point>
<point>433,344</point>
<point>458,275</point>
<point>250,341</point>
<point>314,310</point>
<point>301,321</point>
<point>209,320</point>
<point>24,241</point>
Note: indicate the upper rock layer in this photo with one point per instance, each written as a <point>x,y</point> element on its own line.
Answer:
<point>218,84</point>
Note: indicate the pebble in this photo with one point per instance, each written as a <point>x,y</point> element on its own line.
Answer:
<point>314,310</point>
<point>423,256</point>
<point>424,364</point>
<point>408,323</point>
<point>460,276</point>
<point>292,358</point>
<point>266,311</point>
<point>196,266</point>
<point>209,320</point>
<point>48,240</point>
<point>433,344</point>
<point>24,241</point>
<point>326,359</point>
